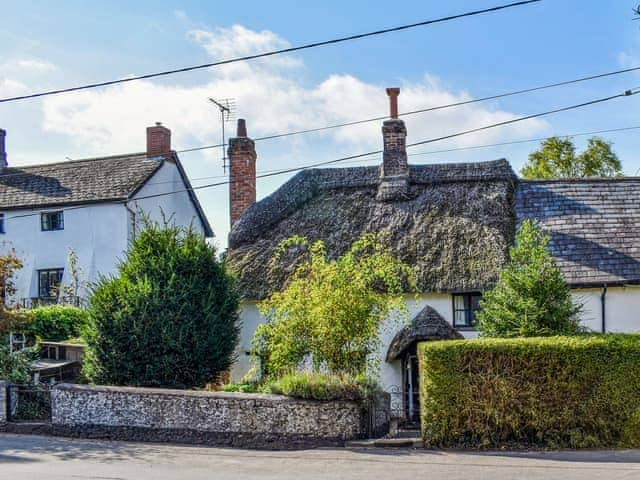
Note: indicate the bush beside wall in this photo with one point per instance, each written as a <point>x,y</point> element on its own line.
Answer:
<point>55,322</point>
<point>559,392</point>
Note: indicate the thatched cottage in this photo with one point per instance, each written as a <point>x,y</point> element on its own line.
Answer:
<point>453,222</point>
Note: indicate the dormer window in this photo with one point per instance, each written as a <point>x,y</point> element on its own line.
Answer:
<point>52,221</point>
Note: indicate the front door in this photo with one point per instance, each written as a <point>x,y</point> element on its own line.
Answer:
<point>411,386</point>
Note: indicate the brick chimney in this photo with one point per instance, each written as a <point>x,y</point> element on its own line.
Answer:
<point>3,149</point>
<point>242,175</point>
<point>394,172</point>
<point>159,142</point>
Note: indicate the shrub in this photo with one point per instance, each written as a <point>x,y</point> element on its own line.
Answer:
<point>55,322</point>
<point>318,386</point>
<point>556,392</point>
<point>169,317</point>
<point>531,298</point>
<point>331,310</point>
<point>15,367</point>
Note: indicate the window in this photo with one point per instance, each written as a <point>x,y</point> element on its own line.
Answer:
<point>52,220</point>
<point>1,222</point>
<point>49,281</point>
<point>465,306</point>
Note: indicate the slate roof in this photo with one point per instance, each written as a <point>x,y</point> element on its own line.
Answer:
<point>79,181</point>
<point>454,227</point>
<point>594,225</point>
<point>94,180</point>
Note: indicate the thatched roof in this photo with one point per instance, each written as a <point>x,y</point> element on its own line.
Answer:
<point>427,325</point>
<point>455,227</point>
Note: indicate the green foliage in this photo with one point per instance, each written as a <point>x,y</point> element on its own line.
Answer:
<point>331,310</point>
<point>576,392</point>
<point>312,386</point>
<point>531,297</point>
<point>55,322</point>
<point>15,367</point>
<point>168,318</point>
<point>318,386</point>
<point>557,158</point>
<point>11,319</point>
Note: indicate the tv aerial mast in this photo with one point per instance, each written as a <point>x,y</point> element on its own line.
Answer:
<point>227,107</point>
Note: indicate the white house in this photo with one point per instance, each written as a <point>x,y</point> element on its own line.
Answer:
<point>91,206</point>
<point>454,223</point>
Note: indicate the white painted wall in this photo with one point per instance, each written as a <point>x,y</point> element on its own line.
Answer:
<point>177,207</point>
<point>99,234</point>
<point>622,315</point>
<point>622,308</point>
<point>390,373</point>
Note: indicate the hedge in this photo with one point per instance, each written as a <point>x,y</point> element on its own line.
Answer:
<point>557,392</point>
<point>55,322</point>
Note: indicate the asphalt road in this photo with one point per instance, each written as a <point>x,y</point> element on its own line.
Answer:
<point>32,457</point>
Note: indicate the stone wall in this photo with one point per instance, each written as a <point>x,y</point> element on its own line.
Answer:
<point>214,418</point>
<point>4,407</point>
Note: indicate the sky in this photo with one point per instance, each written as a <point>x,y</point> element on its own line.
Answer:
<point>46,45</point>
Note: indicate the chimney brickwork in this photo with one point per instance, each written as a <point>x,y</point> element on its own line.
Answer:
<point>3,149</point>
<point>242,176</point>
<point>159,142</point>
<point>394,172</point>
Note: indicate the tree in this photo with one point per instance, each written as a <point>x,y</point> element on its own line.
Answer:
<point>169,317</point>
<point>531,297</point>
<point>331,310</point>
<point>10,317</point>
<point>556,158</point>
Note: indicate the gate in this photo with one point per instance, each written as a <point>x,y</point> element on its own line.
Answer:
<point>29,403</point>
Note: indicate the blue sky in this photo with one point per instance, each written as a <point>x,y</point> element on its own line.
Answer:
<point>45,45</point>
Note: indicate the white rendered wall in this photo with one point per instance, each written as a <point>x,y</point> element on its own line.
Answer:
<point>622,312</point>
<point>177,207</point>
<point>622,309</point>
<point>96,233</point>
<point>390,374</point>
<point>99,234</point>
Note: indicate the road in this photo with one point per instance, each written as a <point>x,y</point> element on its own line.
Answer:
<point>31,457</point>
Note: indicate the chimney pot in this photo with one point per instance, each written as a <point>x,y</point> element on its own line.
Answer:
<point>159,142</point>
<point>242,128</point>
<point>393,101</point>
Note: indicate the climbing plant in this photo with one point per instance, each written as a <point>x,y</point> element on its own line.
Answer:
<point>331,311</point>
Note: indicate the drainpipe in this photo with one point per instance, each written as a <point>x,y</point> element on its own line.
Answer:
<point>603,296</point>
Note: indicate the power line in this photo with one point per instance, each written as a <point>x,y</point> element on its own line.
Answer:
<point>455,149</point>
<point>627,93</point>
<point>528,117</point>
<point>269,54</point>
<point>428,109</point>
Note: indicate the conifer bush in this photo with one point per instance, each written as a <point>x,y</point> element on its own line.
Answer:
<point>531,297</point>
<point>167,318</point>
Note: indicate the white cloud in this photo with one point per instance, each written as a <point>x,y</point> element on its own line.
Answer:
<point>9,87</point>
<point>28,65</point>
<point>272,97</point>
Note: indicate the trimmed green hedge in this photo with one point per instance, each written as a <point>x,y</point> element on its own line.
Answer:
<point>55,322</point>
<point>575,392</point>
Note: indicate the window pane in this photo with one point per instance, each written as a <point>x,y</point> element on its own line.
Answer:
<point>460,318</point>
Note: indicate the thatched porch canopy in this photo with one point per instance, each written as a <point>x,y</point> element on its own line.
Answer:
<point>427,325</point>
